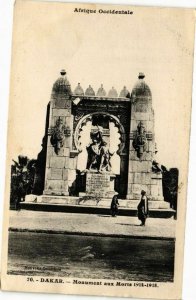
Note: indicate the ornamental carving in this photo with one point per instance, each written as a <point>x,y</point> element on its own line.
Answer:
<point>83,121</point>
<point>140,140</point>
<point>58,133</point>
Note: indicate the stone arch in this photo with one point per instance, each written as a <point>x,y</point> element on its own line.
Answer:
<point>83,121</point>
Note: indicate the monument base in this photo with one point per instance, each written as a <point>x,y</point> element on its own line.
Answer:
<point>56,193</point>
<point>79,205</point>
<point>85,200</point>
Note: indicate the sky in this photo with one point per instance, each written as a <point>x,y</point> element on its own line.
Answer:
<point>95,49</point>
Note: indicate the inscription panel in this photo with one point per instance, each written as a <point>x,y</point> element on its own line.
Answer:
<point>97,184</point>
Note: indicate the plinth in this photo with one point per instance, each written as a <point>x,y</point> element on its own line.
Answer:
<point>100,184</point>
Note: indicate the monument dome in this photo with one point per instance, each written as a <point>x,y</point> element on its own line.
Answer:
<point>62,84</point>
<point>89,91</point>
<point>101,92</point>
<point>124,93</point>
<point>113,93</point>
<point>141,88</point>
<point>79,90</point>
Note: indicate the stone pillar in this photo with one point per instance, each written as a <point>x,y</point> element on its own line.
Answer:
<point>59,165</point>
<point>142,145</point>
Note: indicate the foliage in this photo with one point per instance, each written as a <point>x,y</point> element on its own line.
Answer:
<point>170,186</point>
<point>22,178</point>
<point>83,199</point>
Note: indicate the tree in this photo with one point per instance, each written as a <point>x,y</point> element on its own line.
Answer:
<point>170,186</point>
<point>22,178</point>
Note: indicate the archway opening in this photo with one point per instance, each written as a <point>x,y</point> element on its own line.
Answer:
<point>108,131</point>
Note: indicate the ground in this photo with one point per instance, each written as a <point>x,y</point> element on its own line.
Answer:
<point>91,246</point>
<point>91,224</point>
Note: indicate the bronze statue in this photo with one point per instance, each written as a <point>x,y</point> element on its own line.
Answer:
<point>105,164</point>
<point>93,150</point>
<point>98,154</point>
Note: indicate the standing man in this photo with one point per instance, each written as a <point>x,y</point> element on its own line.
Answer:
<point>143,208</point>
<point>114,206</point>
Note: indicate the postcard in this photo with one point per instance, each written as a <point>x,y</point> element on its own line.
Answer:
<point>98,147</point>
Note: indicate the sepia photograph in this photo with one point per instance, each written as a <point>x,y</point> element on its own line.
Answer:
<point>97,153</point>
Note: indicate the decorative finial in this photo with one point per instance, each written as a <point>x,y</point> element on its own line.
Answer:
<point>112,93</point>
<point>63,72</point>
<point>101,92</point>
<point>124,92</point>
<point>79,90</point>
<point>90,91</point>
<point>141,75</point>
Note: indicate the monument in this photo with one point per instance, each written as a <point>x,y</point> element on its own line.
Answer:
<point>98,144</point>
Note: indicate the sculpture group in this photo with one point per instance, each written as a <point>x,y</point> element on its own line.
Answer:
<point>98,153</point>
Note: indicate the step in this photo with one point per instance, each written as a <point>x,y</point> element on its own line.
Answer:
<point>104,202</point>
<point>86,209</point>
